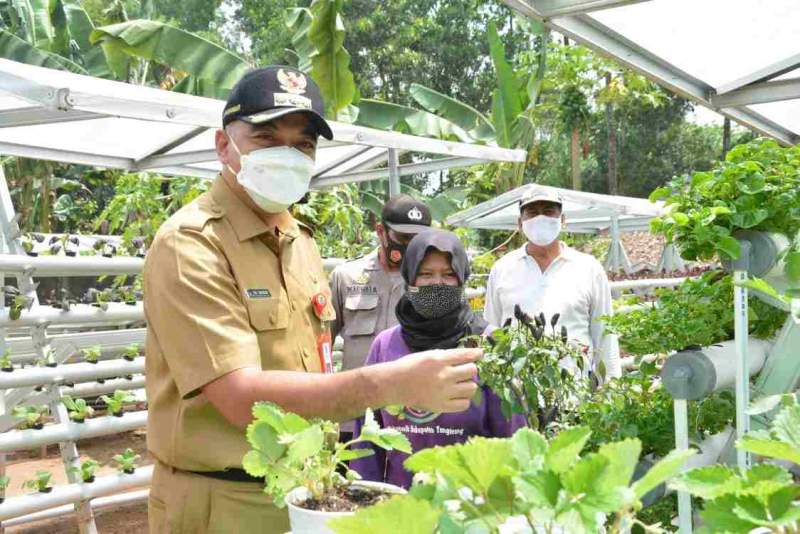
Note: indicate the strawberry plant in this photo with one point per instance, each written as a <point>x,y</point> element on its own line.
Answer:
<point>519,484</point>
<point>92,354</point>
<point>5,362</point>
<point>41,483</point>
<point>28,244</point>
<point>86,470</point>
<point>117,402</point>
<point>31,416</point>
<point>762,497</point>
<point>757,187</point>
<point>79,410</point>
<point>292,452</point>
<point>126,462</point>
<point>533,369</point>
<point>131,352</point>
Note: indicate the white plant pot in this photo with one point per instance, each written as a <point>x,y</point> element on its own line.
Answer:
<point>305,521</point>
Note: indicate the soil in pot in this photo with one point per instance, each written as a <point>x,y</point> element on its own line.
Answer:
<point>46,490</point>
<point>8,369</point>
<point>51,364</point>
<point>32,254</point>
<point>79,420</point>
<point>89,480</point>
<point>38,426</point>
<point>117,414</point>
<point>128,471</point>
<point>131,303</point>
<point>346,499</point>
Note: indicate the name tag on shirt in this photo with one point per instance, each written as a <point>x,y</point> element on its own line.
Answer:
<point>259,293</point>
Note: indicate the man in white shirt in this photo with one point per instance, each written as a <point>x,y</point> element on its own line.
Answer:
<point>545,275</point>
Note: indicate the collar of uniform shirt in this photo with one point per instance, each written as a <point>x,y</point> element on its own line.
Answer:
<point>246,224</point>
<point>566,253</point>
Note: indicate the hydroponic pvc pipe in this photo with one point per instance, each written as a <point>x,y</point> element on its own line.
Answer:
<point>14,440</point>
<point>78,314</point>
<point>100,503</point>
<point>72,493</point>
<point>645,283</point>
<point>70,373</point>
<point>112,342</point>
<point>66,266</point>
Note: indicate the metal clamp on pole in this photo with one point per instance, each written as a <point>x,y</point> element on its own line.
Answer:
<point>741,327</point>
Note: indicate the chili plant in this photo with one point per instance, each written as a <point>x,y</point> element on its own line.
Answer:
<point>292,452</point>
<point>521,484</point>
<point>92,354</point>
<point>534,369</point>
<point>86,470</point>
<point>117,402</point>
<point>41,483</point>
<point>31,416</point>
<point>126,462</point>
<point>79,410</point>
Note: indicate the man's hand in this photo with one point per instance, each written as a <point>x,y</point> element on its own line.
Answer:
<point>435,380</point>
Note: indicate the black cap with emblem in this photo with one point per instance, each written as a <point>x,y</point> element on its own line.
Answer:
<point>407,215</point>
<point>267,93</point>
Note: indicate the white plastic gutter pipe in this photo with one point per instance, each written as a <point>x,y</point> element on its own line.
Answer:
<point>15,440</point>
<point>70,373</point>
<point>99,503</point>
<point>79,313</point>
<point>72,493</point>
<point>66,266</point>
<point>645,283</point>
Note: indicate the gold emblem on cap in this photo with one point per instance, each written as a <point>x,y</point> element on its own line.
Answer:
<point>414,214</point>
<point>292,82</point>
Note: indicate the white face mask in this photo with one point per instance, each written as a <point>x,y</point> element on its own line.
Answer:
<point>542,230</point>
<point>274,177</point>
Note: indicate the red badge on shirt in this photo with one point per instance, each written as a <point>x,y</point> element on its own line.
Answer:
<point>324,343</point>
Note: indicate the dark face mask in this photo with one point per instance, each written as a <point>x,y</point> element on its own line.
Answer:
<point>435,301</point>
<point>394,251</point>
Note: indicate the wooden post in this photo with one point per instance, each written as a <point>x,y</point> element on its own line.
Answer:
<point>726,137</point>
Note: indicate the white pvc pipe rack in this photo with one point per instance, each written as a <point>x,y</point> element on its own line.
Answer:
<point>100,503</point>
<point>111,341</point>
<point>67,266</point>
<point>15,440</point>
<point>645,283</point>
<point>72,493</point>
<point>78,314</point>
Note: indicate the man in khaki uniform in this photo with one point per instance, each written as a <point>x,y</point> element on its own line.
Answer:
<point>366,290</point>
<point>237,310</point>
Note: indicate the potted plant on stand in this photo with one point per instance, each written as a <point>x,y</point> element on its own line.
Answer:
<point>86,470</point>
<point>117,402</point>
<point>32,416</point>
<point>126,462</point>
<point>41,483</point>
<point>300,460</point>
<point>79,410</point>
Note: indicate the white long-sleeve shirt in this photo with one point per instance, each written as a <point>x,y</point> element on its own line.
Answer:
<point>574,285</point>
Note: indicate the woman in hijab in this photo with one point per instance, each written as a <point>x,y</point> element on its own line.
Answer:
<point>433,314</point>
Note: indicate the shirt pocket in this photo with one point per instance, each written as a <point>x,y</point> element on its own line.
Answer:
<point>361,314</point>
<point>268,314</point>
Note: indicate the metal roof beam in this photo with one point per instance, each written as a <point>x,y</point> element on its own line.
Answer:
<point>182,158</point>
<point>767,73</point>
<point>32,116</point>
<point>557,8</point>
<point>404,170</point>
<point>66,156</point>
<point>759,93</point>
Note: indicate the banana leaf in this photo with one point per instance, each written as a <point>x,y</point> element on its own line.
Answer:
<point>14,48</point>
<point>462,115</point>
<point>299,21</point>
<point>172,47</point>
<point>330,60</point>
<point>388,116</point>
<point>506,105</point>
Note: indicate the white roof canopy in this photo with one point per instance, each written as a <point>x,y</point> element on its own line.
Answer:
<point>738,57</point>
<point>60,116</point>
<point>584,212</point>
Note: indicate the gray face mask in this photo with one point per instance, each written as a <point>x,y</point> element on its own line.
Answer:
<point>435,301</point>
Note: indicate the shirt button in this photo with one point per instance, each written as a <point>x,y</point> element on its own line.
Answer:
<point>272,319</point>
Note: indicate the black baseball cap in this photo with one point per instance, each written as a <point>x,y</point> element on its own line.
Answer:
<point>407,215</point>
<point>267,93</point>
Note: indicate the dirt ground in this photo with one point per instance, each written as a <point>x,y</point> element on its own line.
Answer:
<point>129,519</point>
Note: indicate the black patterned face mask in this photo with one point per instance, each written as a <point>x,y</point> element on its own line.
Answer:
<point>436,300</point>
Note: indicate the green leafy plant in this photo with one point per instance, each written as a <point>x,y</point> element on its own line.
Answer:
<point>100,299</point>
<point>757,187</point>
<point>79,410</point>
<point>5,480</point>
<point>92,354</point>
<point>126,462</point>
<point>86,470</point>
<point>19,303</point>
<point>764,496</point>
<point>699,312</point>
<point>292,452</point>
<point>518,484</point>
<point>524,364</point>
<point>5,362</point>
<point>31,416</point>
<point>131,352</point>
<point>41,483</point>
<point>28,244</point>
<point>117,402</point>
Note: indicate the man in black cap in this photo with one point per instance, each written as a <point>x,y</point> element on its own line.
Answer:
<point>237,307</point>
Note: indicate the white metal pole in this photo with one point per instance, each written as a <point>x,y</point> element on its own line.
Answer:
<point>682,444</point>
<point>742,364</point>
<point>394,173</point>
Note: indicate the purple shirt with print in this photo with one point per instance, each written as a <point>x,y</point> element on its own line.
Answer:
<point>425,429</point>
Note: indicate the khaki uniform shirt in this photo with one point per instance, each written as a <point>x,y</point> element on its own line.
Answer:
<point>365,297</point>
<point>223,291</point>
